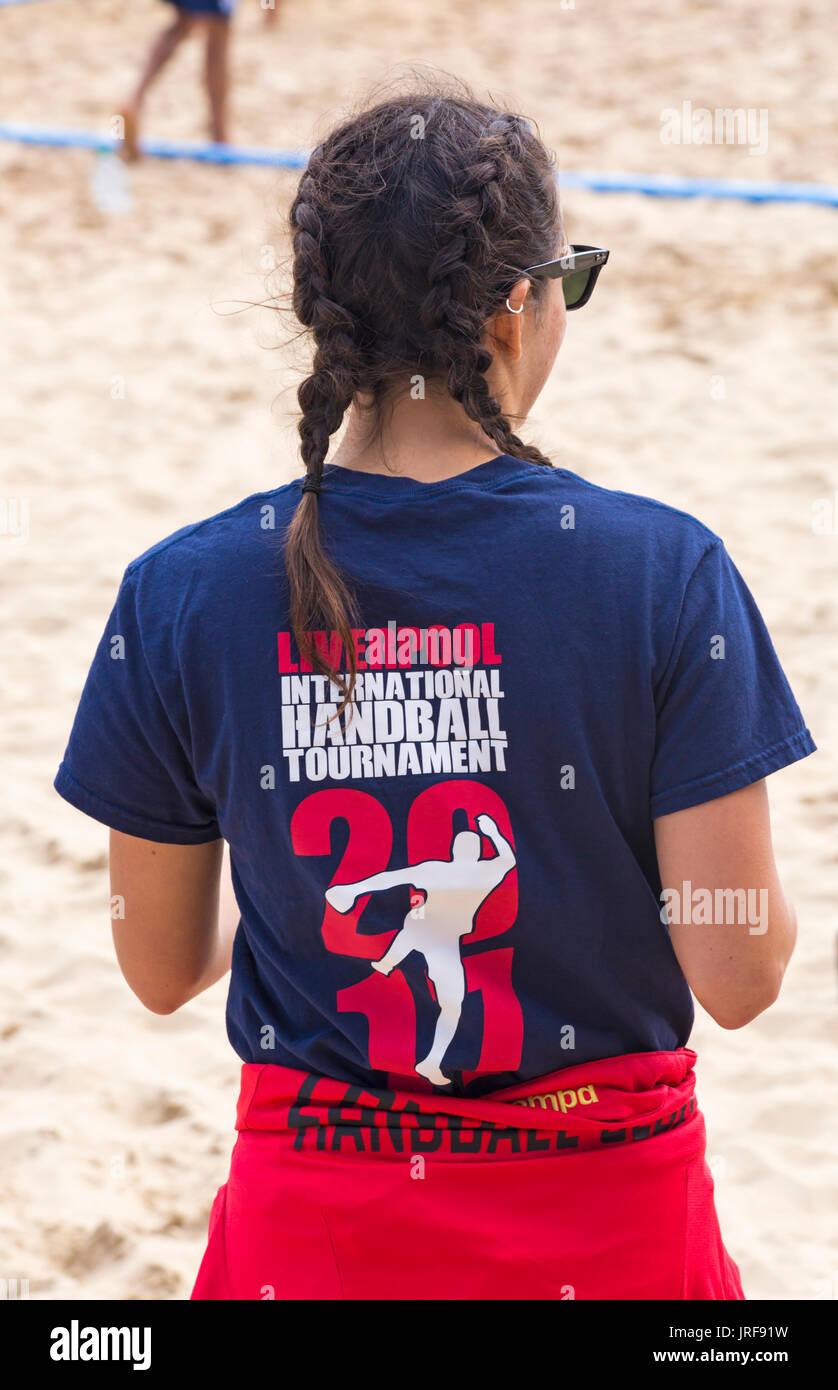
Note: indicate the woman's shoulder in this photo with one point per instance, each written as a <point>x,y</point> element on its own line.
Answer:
<point>221,542</point>
<point>636,525</point>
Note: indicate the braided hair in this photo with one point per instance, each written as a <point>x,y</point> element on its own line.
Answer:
<point>410,226</point>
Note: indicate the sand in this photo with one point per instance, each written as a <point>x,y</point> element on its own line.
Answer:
<point>133,401</point>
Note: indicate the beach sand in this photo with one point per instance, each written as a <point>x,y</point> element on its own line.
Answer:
<point>134,399</point>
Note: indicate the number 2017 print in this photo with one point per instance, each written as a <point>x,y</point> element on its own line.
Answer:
<point>459,895</point>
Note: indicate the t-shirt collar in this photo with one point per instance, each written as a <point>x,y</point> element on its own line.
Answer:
<point>336,478</point>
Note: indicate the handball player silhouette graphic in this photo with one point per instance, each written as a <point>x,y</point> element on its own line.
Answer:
<point>454,890</point>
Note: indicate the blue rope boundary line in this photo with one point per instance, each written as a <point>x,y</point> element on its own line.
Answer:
<point>205,153</point>
<point>653,185</point>
<point>673,186</point>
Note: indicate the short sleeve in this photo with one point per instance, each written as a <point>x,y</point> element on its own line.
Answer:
<point>725,714</point>
<point>126,763</point>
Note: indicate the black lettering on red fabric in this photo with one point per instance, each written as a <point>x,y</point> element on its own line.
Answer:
<point>334,1115</point>
<point>504,1136</point>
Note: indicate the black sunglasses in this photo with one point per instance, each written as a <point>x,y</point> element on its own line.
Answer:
<point>578,272</point>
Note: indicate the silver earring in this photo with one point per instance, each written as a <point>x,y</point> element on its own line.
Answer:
<point>514,311</point>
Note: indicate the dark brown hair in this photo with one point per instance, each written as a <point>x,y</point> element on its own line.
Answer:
<point>411,223</point>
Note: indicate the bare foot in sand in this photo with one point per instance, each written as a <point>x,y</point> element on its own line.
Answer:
<point>129,150</point>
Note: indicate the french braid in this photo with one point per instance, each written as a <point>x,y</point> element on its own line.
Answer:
<point>454,276</point>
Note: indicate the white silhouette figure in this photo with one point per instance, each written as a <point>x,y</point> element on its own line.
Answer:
<point>454,890</point>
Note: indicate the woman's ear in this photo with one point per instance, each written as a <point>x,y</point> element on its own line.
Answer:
<point>504,327</point>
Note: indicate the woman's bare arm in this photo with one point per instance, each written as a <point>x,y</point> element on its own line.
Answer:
<point>176,935</point>
<point>734,968</point>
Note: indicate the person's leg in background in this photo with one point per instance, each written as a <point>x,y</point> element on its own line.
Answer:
<point>216,75</point>
<point>159,54</point>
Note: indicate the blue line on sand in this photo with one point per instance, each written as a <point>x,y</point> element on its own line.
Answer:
<point>672,186</point>
<point>162,149</point>
<point>654,185</point>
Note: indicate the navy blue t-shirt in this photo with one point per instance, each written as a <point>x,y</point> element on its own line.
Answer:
<point>458,886</point>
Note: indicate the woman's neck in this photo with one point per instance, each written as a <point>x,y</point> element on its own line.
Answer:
<point>427,439</point>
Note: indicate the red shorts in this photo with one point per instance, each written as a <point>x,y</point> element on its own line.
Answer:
<point>589,1183</point>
